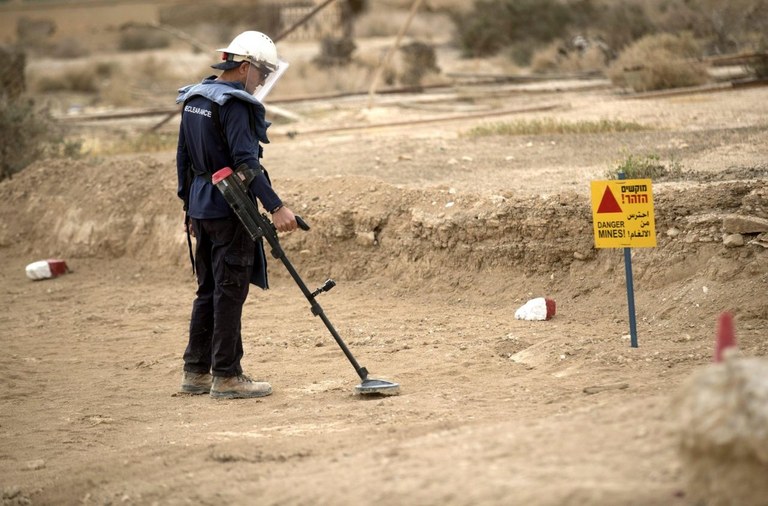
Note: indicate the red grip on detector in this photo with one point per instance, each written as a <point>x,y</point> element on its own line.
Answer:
<point>221,174</point>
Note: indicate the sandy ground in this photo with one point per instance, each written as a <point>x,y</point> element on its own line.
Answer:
<point>434,239</point>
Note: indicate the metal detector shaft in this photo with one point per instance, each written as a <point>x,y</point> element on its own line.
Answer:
<point>257,225</point>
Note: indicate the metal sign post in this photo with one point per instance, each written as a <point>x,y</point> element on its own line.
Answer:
<point>630,297</point>
<point>622,217</point>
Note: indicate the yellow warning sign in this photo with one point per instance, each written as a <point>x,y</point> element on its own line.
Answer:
<point>622,214</point>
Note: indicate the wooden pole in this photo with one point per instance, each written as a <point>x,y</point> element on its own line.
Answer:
<point>392,49</point>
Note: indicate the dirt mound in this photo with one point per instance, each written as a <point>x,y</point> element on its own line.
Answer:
<point>416,238</point>
<point>127,207</point>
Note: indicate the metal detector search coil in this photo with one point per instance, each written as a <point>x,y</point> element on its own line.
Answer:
<point>258,225</point>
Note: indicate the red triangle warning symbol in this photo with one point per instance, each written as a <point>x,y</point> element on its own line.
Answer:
<point>608,203</point>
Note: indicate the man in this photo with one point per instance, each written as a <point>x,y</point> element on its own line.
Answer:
<point>222,125</point>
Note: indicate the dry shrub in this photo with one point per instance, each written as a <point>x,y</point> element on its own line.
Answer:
<point>34,33</point>
<point>759,65</point>
<point>137,38</point>
<point>105,69</point>
<point>721,26</point>
<point>79,79</point>
<point>547,60</point>
<point>115,87</point>
<point>29,133</point>
<point>419,60</point>
<point>622,23</point>
<point>22,135</point>
<point>335,51</point>
<point>67,48</point>
<point>154,69</point>
<point>522,25</point>
<point>658,62</point>
<point>728,26</point>
<point>12,63</point>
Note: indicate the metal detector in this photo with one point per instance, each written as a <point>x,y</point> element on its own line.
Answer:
<point>258,225</point>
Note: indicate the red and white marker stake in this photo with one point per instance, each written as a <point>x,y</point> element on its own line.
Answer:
<point>726,336</point>
<point>46,269</point>
<point>539,308</point>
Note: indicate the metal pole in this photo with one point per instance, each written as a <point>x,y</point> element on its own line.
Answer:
<point>390,52</point>
<point>630,297</point>
<point>630,290</point>
<point>257,225</point>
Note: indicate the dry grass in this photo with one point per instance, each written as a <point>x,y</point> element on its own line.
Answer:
<point>551,126</point>
<point>80,78</point>
<point>647,167</point>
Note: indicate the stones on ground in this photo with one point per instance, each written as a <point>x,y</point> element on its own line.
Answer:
<point>34,465</point>
<point>602,388</point>
<point>723,432</point>
<point>737,224</point>
<point>733,240</point>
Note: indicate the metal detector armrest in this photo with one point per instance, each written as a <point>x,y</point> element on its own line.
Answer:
<point>235,192</point>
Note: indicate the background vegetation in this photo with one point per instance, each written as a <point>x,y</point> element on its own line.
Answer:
<point>641,44</point>
<point>496,25</point>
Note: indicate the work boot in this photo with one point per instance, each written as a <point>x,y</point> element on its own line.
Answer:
<point>196,383</point>
<point>238,387</point>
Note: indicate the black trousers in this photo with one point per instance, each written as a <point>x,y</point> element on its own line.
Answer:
<point>224,261</point>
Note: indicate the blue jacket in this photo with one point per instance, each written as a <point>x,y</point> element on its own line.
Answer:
<point>201,145</point>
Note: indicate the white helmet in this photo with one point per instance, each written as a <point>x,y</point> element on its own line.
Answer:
<point>251,46</point>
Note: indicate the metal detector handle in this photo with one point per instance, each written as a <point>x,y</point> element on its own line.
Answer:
<point>301,223</point>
